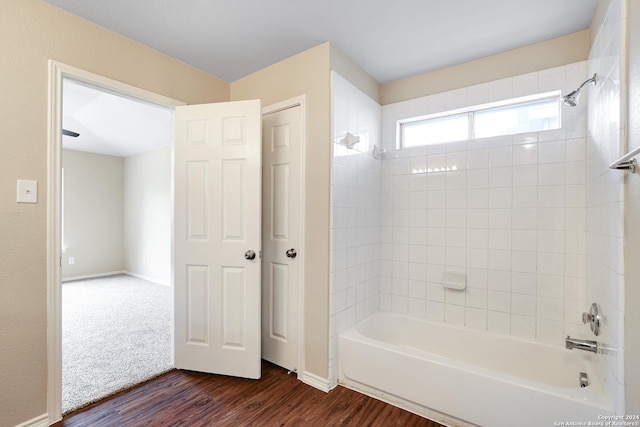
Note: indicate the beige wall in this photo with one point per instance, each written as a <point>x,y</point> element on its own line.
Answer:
<point>632,225</point>
<point>551,53</point>
<point>343,65</point>
<point>93,207</point>
<point>307,73</point>
<point>147,215</point>
<point>32,32</point>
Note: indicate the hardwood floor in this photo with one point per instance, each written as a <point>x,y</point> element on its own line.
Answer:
<point>183,398</point>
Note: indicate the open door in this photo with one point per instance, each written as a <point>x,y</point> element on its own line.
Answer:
<point>217,217</point>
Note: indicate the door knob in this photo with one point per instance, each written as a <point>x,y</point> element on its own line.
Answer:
<point>249,254</point>
<point>291,253</point>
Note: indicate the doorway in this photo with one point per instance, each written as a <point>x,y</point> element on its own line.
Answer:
<point>116,243</point>
<point>58,73</point>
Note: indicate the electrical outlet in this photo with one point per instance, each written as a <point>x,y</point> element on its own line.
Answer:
<point>72,260</point>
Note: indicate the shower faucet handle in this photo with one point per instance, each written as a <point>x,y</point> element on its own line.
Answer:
<point>593,318</point>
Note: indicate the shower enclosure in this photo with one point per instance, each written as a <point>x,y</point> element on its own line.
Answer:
<point>534,221</point>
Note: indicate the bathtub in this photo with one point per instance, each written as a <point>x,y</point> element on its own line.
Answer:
<point>462,377</point>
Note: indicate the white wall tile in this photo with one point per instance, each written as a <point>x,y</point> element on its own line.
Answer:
<point>523,326</point>
<point>455,99</point>
<point>550,308</point>
<point>551,174</point>
<point>525,176</point>
<point>512,216</point>
<point>435,311</point>
<point>501,89</point>
<point>417,308</point>
<point>523,304</point>
<point>435,292</point>
<point>552,152</point>
<point>500,157</point>
<point>524,240</point>
<point>357,187</point>
<point>525,84</point>
<point>476,318</point>
<point>525,154</point>
<point>499,280</point>
<point>454,314</point>
<point>500,198</point>
<point>476,298</point>
<point>499,301</point>
<point>478,198</point>
<point>549,331</point>
<point>499,322</point>
<point>524,283</point>
<point>478,94</point>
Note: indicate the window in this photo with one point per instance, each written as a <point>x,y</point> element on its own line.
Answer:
<point>527,114</point>
<point>518,118</point>
<point>436,130</point>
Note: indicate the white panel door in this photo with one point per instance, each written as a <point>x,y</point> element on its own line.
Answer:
<point>217,209</point>
<point>281,237</point>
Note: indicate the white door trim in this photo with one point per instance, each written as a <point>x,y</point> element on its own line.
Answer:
<point>283,105</point>
<point>57,72</point>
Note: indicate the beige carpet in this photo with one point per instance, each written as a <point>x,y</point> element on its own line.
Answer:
<point>116,332</point>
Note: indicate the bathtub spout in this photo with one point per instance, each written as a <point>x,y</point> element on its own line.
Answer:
<point>586,345</point>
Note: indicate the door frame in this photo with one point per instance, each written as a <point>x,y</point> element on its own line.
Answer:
<point>57,73</point>
<point>298,101</point>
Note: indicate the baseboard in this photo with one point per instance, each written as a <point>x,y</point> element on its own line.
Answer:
<point>91,276</point>
<point>315,381</point>
<point>41,421</point>
<point>147,278</point>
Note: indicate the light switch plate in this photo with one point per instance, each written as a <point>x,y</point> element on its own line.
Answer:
<point>27,191</point>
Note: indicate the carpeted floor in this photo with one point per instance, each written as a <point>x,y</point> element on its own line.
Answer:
<point>116,332</point>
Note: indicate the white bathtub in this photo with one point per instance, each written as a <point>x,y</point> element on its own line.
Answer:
<point>461,377</point>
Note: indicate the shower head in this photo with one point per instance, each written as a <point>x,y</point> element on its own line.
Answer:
<point>572,98</point>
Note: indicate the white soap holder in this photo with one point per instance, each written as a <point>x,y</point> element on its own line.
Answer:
<point>455,280</point>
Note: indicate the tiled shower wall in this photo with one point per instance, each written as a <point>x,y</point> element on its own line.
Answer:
<point>355,204</point>
<point>605,193</point>
<point>511,217</point>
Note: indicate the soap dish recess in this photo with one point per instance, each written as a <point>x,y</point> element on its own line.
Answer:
<point>455,280</point>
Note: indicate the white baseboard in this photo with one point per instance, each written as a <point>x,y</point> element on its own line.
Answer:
<point>315,381</point>
<point>92,276</point>
<point>147,278</point>
<point>41,421</point>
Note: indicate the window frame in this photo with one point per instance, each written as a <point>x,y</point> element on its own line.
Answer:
<point>470,112</point>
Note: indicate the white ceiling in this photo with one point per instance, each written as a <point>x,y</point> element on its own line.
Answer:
<point>234,38</point>
<point>389,39</point>
<point>111,124</point>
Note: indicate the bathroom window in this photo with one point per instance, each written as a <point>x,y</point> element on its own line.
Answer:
<point>519,115</point>
<point>437,130</point>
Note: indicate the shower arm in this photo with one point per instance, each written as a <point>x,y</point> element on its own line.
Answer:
<point>593,80</point>
<point>575,93</point>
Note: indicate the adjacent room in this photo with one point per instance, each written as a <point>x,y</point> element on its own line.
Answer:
<point>116,243</point>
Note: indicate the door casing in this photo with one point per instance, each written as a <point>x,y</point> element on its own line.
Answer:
<point>57,73</point>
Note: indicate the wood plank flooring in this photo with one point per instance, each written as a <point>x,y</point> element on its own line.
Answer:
<point>183,398</point>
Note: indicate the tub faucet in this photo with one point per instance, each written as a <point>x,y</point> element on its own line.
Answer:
<point>586,345</point>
